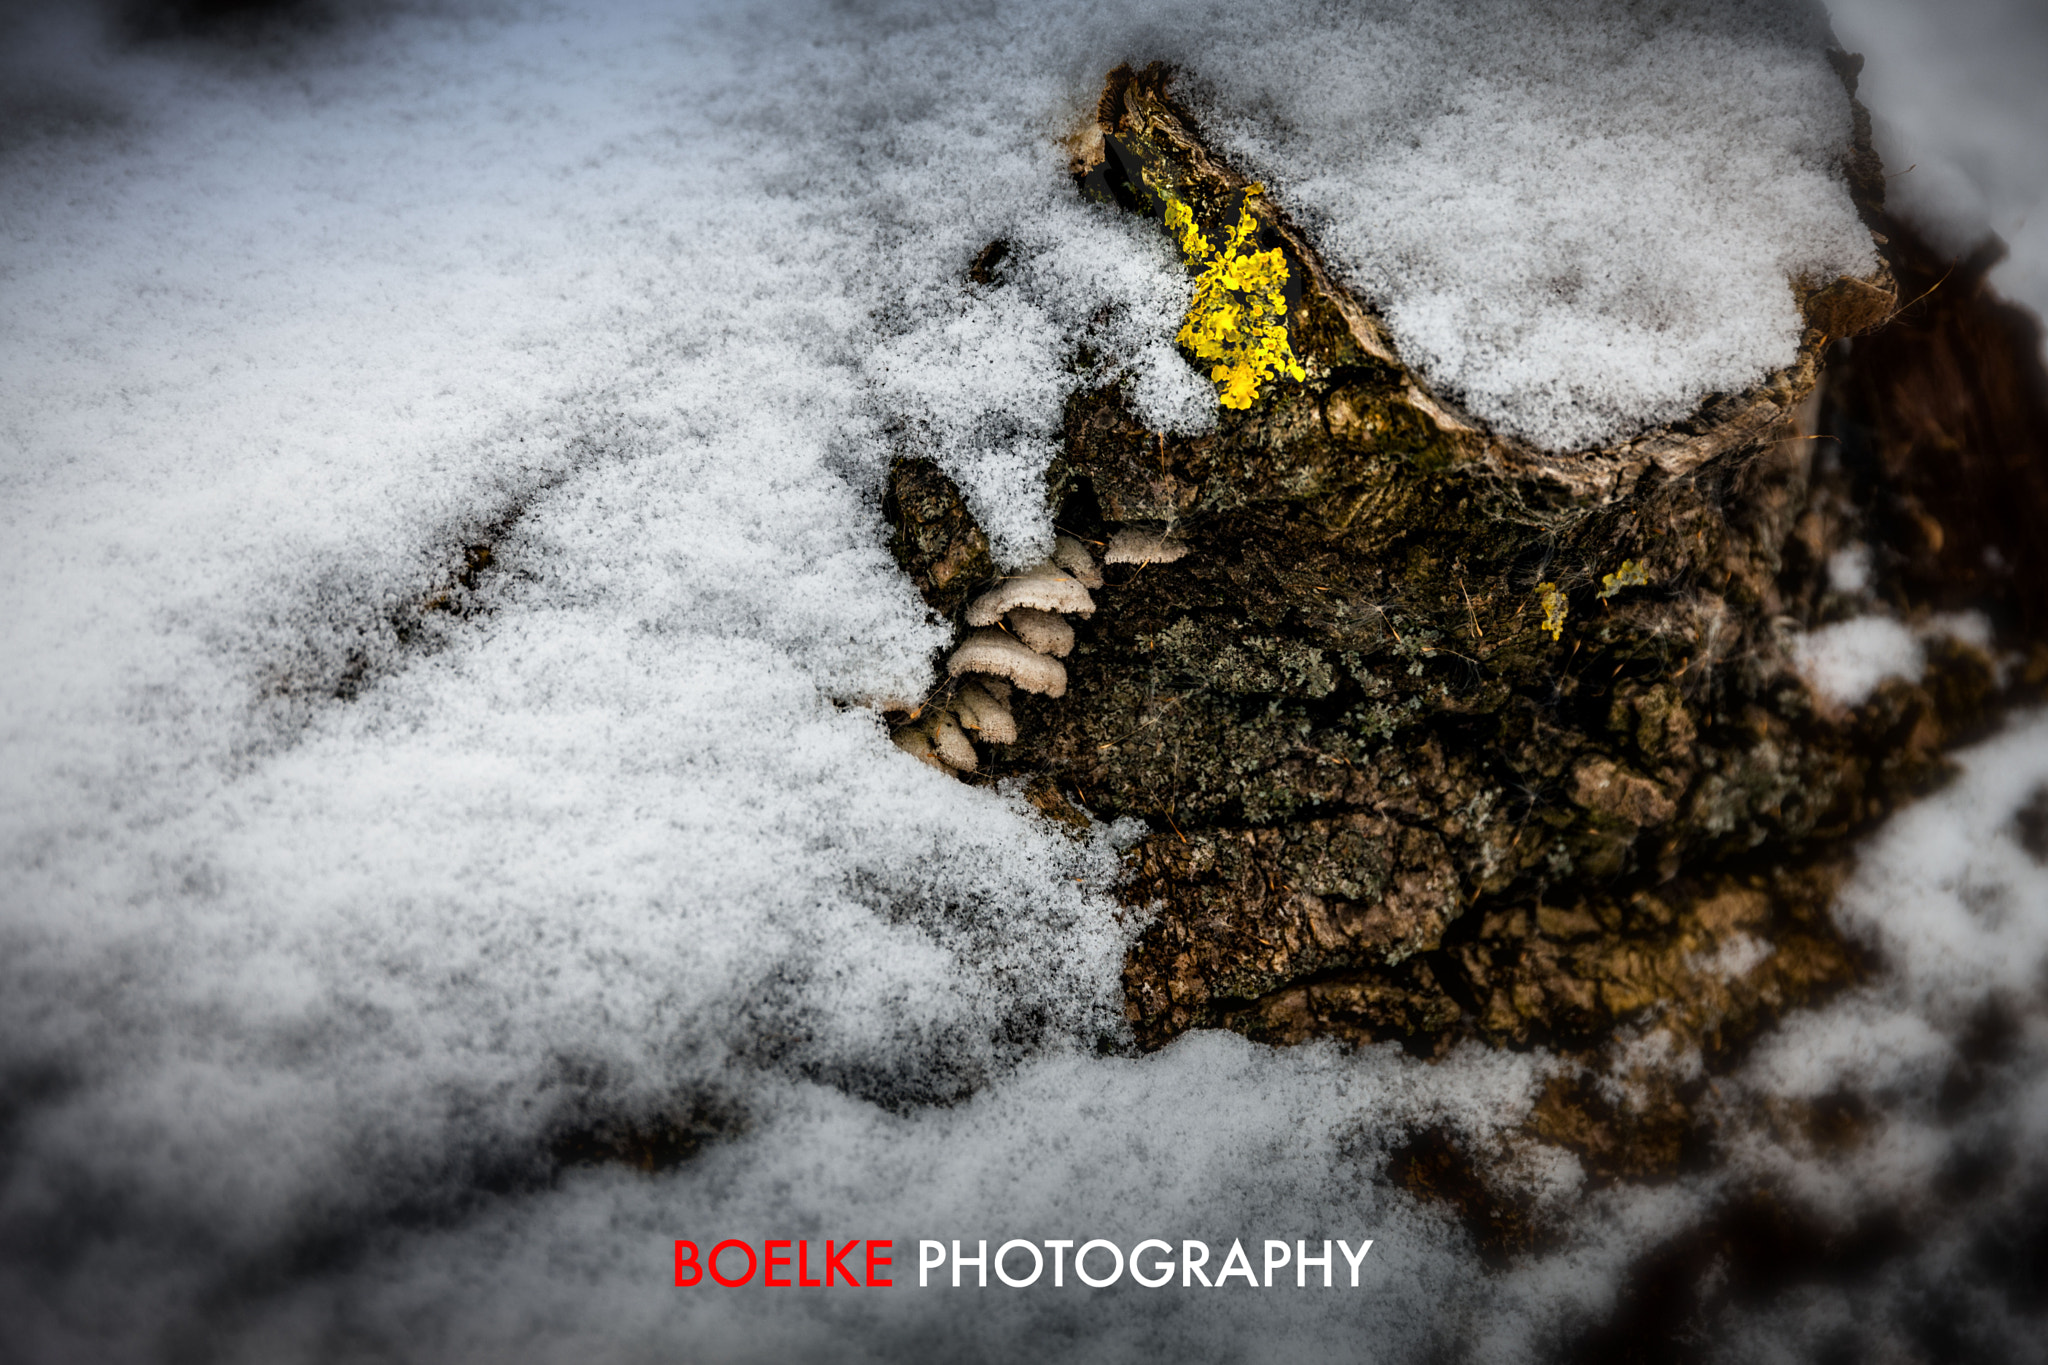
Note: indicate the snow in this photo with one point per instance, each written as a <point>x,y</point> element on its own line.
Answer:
<point>1955,907</point>
<point>1212,1139</point>
<point>1958,107</point>
<point>323,912</point>
<point>1845,661</point>
<point>1570,226</point>
<point>1849,569</point>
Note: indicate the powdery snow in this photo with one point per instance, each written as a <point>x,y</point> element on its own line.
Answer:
<point>1844,661</point>
<point>1946,1051</point>
<point>1578,218</point>
<point>1958,107</point>
<point>321,915</point>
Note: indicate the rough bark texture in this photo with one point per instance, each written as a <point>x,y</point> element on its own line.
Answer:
<point>1440,736</point>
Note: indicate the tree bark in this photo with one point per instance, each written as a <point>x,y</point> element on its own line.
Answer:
<point>1441,736</point>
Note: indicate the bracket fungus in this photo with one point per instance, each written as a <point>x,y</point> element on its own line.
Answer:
<point>917,742</point>
<point>938,740</point>
<point>952,743</point>
<point>1000,654</point>
<point>1046,632</point>
<point>982,711</point>
<point>1045,586</point>
<point>1070,554</point>
<point>1131,546</point>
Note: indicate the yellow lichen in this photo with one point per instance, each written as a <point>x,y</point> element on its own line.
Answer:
<point>1630,575</point>
<point>1555,608</point>
<point>1237,321</point>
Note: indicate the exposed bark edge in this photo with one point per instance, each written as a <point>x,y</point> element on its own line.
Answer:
<point>1137,106</point>
<point>1388,799</point>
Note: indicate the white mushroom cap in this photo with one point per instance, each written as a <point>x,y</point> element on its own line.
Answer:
<point>996,688</point>
<point>1071,555</point>
<point>912,740</point>
<point>1043,631</point>
<point>994,652</point>
<point>952,742</point>
<point>982,712</point>
<point>1143,547</point>
<point>1044,585</point>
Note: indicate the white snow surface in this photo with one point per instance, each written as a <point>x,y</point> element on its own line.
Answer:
<point>1946,1052</point>
<point>1958,112</point>
<point>316,929</point>
<point>1579,219</point>
<point>1845,661</point>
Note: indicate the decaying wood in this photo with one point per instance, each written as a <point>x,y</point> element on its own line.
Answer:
<point>1391,792</point>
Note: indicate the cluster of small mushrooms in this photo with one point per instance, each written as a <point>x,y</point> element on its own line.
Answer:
<point>1018,633</point>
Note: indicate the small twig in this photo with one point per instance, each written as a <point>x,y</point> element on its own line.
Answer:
<point>918,710</point>
<point>1923,294</point>
<point>1068,530</point>
<point>1390,623</point>
<point>1439,649</point>
<point>1476,631</point>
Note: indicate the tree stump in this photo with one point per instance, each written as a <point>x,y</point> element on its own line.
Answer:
<point>1439,735</point>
